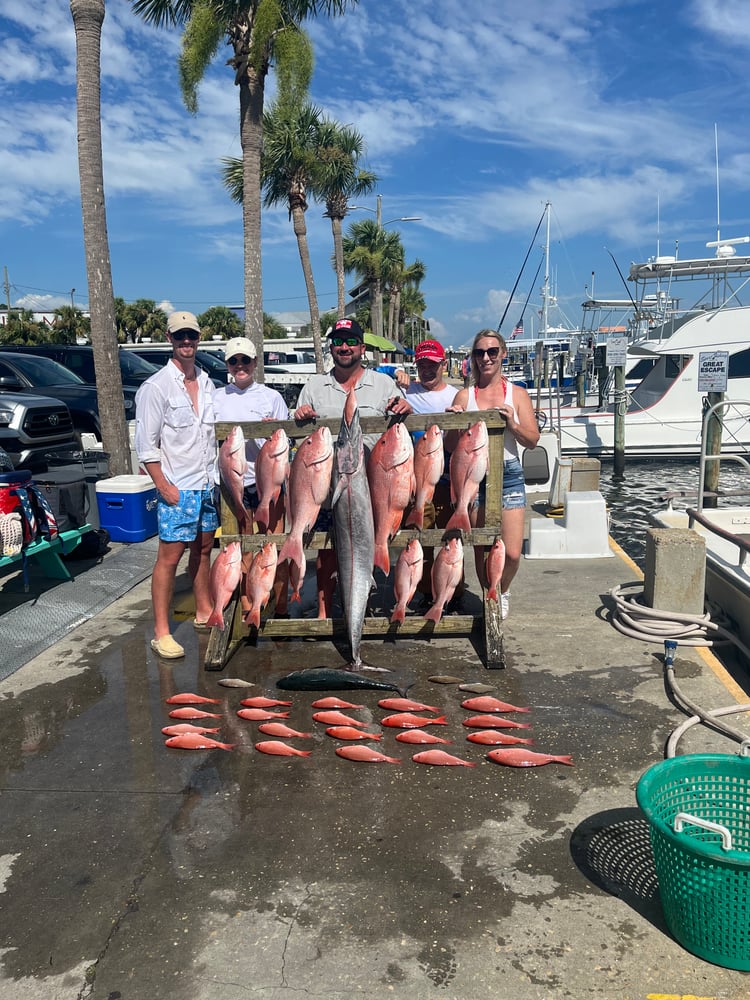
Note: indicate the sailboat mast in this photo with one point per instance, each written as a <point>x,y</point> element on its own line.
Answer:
<point>545,288</point>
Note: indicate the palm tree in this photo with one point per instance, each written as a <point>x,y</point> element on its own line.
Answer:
<point>340,148</point>
<point>370,251</point>
<point>413,306</point>
<point>220,322</point>
<point>258,31</point>
<point>70,324</point>
<point>413,274</point>
<point>88,16</point>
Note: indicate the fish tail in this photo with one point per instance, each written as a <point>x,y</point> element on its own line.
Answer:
<point>415,519</point>
<point>262,516</point>
<point>382,559</point>
<point>492,593</point>
<point>224,746</point>
<point>459,519</point>
<point>433,615</point>
<point>216,619</point>
<point>565,759</point>
<point>442,720</point>
<point>398,614</point>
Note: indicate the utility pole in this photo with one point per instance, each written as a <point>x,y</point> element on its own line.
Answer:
<point>6,286</point>
<point>379,212</point>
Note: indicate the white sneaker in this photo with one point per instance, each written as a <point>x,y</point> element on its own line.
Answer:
<point>504,605</point>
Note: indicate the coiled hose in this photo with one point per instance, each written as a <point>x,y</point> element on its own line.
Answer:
<point>637,620</point>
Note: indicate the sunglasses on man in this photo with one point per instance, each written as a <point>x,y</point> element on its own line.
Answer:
<point>182,335</point>
<point>349,341</point>
<point>240,359</point>
<point>491,352</point>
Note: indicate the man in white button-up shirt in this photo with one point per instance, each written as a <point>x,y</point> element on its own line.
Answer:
<point>175,442</point>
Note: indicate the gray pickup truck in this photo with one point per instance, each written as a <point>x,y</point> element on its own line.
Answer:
<point>34,427</point>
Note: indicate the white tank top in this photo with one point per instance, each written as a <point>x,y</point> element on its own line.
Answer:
<point>509,440</point>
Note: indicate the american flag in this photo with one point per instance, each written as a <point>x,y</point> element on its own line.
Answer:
<point>517,330</point>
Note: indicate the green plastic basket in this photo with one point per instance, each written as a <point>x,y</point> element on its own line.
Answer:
<point>698,809</point>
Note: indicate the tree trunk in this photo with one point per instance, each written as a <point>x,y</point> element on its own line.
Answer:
<point>338,252</point>
<point>376,307</point>
<point>252,85</point>
<point>300,231</point>
<point>88,17</point>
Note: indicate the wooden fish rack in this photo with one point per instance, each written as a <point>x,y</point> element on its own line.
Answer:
<point>222,644</point>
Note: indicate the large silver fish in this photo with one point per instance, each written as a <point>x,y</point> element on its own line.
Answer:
<point>353,525</point>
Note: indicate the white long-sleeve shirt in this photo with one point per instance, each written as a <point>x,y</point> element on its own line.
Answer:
<point>170,431</point>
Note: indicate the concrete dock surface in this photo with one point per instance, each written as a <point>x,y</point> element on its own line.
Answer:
<point>130,871</point>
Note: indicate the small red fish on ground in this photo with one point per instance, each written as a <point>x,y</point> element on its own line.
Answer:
<point>278,749</point>
<point>186,698</point>
<point>185,727</point>
<point>259,701</point>
<point>192,713</point>
<point>338,719</point>
<point>260,714</point>
<point>407,720</point>
<point>279,729</point>
<point>493,737</point>
<point>350,733</point>
<point>365,755</point>
<point>419,736</point>
<point>486,703</point>
<point>196,741</point>
<point>516,757</point>
<point>333,702</point>
<point>493,722</point>
<point>440,757</point>
<point>406,705</point>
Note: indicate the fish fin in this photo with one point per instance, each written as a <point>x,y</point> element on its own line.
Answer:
<point>433,615</point>
<point>459,519</point>
<point>415,519</point>
<point>382,559</point>
<point>492,594</point>
<point>215,619</point>
<point>398,615</point>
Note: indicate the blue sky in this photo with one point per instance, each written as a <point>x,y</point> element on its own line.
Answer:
<point>474,113</point>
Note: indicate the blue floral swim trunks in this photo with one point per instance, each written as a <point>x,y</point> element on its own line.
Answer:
<point>193,513</point>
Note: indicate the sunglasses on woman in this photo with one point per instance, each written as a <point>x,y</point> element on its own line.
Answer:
<point>349,341</point>
<point>240,359</point>
<point>491,352</point>
<point>180,335</point>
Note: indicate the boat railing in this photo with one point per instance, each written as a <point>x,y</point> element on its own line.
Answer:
<point>741,541</point>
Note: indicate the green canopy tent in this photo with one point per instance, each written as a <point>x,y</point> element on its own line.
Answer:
<point>379,343</point>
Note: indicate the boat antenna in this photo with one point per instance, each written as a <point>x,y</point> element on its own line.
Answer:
<point>718,213</point>
<point>513,291</point>
<point>622,278</point>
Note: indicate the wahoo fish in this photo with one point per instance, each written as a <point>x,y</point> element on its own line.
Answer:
<point>271,472</point>
<point>232,469</point>
<point>445,576</point>
<point>468,467</point>
<point>329,679</point>
<point>225,575</point>
<point>494,565</point>
<point>259,582</point>
<point>406,577</point>
<point>353,525</point>
<point>390,473</point>
<point>309,483</point>
<point>429,463</point>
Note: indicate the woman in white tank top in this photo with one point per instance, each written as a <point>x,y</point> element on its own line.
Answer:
<point>491,390</point>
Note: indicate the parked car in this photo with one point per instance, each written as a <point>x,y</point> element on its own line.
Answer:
<point>79,358</point>
<point>34,427</point>
<point>40,376</point>
<point>158,354</point>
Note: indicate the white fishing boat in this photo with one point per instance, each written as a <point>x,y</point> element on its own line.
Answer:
<point>725,527</point>
<point>663,414</point>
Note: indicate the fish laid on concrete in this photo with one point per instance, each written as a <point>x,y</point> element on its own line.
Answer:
<point>196,741</point>
<point>444,679</point>
<point>280,729</point>
<point>353,529</point>
<point>260,714</point>
<point>365,755</point>
<point>517,757</point>
<point>271,472</point>
<point>477,688</point>
<point>493,722</point>
<point>419,736</point>
<point>260,701</point>
<point>468,467</point>
<point>184,727</point>
<point>445,576</point>
<point>494,565</point>
<point>232,469</point>
<point>223,580</point>
<point>492,737</point>
<point>309,483</point>
<point>350,733</point>
<point>486,703</point>
<point>406,577</point>
<point>192,713</point>
<point>334,702</point>
<point>335,718</point>
<point>405,705</point>
<point>429,463</point>
<point>236,682</point>
<point>407,720</point>
<point>390,472</point>
<point>259,582</point>
<point>330,679</point>
<point>440,757</point>
<point>187,698</point>
<point>277,748</point>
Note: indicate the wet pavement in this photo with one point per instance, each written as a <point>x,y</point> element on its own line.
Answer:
<point>132,871</point>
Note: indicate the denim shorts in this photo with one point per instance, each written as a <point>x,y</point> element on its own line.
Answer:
<point>194,512</point>
<point>514,486</point>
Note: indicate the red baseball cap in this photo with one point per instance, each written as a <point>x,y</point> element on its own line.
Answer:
<point>430,350</point>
